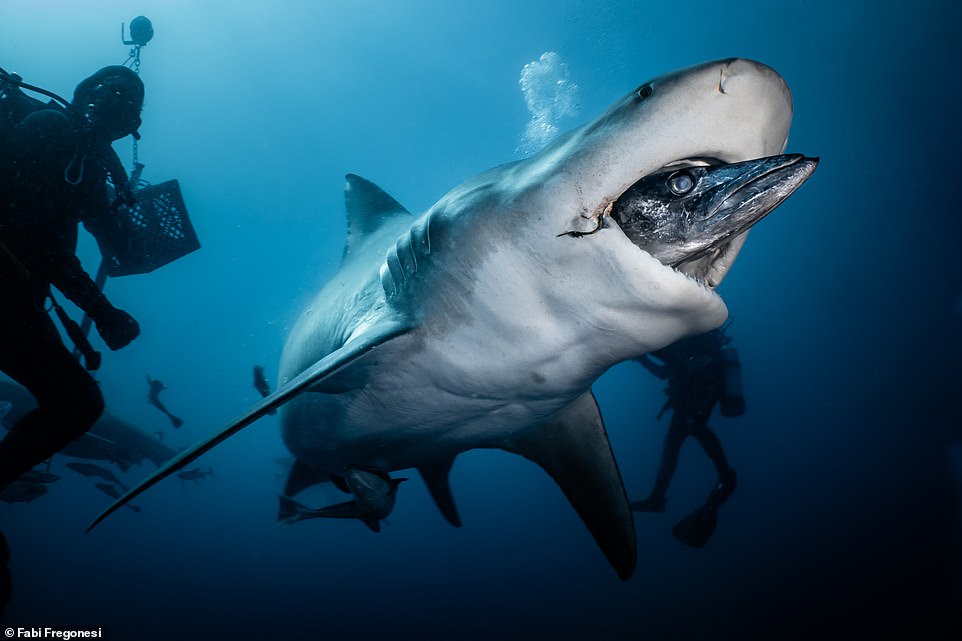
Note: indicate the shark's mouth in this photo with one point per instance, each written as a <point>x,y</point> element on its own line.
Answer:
<point>711,267</point>
<point>693,215</point>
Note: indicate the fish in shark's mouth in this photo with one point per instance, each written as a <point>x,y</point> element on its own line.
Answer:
<point>692,215</point>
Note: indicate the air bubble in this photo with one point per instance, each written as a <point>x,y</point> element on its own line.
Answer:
<point>550,96</point>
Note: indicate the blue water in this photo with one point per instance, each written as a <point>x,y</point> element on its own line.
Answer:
<point>846,302</point>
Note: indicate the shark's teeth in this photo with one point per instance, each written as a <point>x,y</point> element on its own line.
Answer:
<point>699,279</point>
<point>711,268</point>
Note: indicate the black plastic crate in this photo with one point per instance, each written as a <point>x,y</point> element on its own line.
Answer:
<point>149,235</point>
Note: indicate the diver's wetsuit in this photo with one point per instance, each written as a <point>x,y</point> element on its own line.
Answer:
<point>39,213</point>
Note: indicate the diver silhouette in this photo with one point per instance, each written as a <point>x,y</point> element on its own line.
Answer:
<point>153,398</point>
<point>701,371</point>
<point>54,167</point>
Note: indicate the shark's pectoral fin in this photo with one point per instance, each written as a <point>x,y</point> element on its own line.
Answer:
<point>362,343</point>
<point>572,446</point>
<point>435,476</point>
<point>303,476</point>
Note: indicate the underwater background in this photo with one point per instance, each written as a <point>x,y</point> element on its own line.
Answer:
<point>847,307</point>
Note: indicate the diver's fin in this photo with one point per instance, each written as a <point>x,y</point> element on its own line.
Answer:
<point>352,350</point>
<point>303,476</point>
<point>435,476</point>
<point>368,206</point>
<point>572,446</point>
<point>696,528</point>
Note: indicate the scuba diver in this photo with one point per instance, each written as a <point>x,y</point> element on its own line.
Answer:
<point>701,371</point>
<point>153,398</point>
<point>54,167</point>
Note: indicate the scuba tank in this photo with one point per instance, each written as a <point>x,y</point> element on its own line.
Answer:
<point>14,104</point>
<point>732,400</point>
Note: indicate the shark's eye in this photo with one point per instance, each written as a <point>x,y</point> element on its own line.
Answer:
<point>681,183</point>
<point>644,92</point>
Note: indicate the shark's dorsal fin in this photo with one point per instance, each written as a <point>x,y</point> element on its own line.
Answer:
<point>572,446</point>
<point>435,476</point>
<point>368,206</point>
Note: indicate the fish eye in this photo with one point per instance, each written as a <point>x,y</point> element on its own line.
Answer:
<point>644,92</point>
<point>681,183</point>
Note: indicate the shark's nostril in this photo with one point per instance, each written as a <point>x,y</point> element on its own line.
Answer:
<point>731,68</point>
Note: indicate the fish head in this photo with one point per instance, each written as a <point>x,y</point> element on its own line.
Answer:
<point>684,216</point>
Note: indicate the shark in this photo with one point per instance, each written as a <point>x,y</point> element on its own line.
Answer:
<point>112,438</point>
<point>484,321</point>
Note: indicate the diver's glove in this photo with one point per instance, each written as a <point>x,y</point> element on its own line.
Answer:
<point>115,326</point>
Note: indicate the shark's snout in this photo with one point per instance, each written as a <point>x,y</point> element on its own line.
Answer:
<point>737,72</point>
